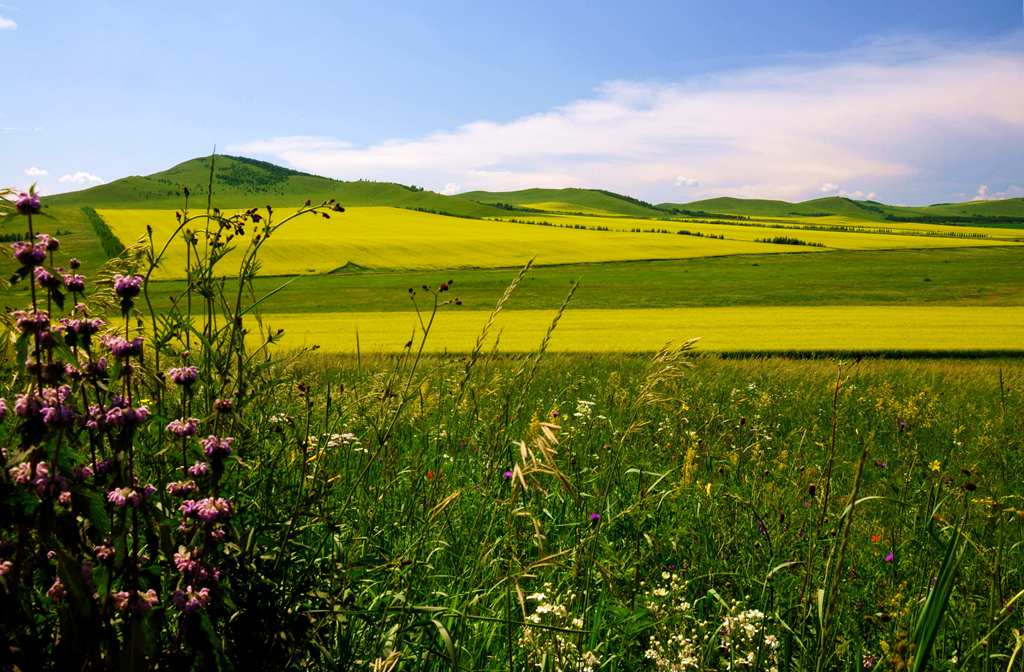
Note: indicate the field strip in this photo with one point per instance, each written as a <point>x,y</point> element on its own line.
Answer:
<point>721,329</point>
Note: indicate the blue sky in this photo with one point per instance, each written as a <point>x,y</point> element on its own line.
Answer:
<point>911,101</point>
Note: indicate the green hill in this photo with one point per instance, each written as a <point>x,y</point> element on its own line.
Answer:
<point>589,201</point>
<point>1008,212</point>
<point>240,182</point>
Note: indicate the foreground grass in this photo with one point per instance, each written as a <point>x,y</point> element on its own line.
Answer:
<point>733,476</point>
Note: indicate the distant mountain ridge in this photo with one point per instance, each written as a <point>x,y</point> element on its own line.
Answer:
<point>244,182</point>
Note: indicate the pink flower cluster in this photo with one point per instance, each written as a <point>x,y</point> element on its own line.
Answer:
<point>183,428</point>
<point>214,447</point>
<point>190,600</point>
<point>208,509</point>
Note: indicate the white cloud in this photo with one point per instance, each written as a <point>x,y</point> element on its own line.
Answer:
<point>450,189</point>
<point>36,172</point>
<point>7,24</point>
<point>80,178</point>
<point>886,114</point>
<point>683,181</point>
<point>828,188</point>
<point>984,194</point>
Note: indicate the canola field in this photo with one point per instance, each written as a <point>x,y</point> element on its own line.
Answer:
<point>721,329</point>
<point>901,237</point>
<point>395,238</point>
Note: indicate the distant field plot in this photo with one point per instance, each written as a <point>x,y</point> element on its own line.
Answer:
<point>945,276</point>
<point>382,237</point>
<point>737,328</point>
<point>901,227</point>
<point>751,231</point>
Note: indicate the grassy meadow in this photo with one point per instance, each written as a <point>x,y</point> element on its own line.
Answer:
<point>376,441</point>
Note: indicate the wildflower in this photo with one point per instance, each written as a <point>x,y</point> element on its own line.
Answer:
<point>74,282</point>
<point>210,509</point>
<point>45,278</point>
<point>121,497</point>
<point>181,488</point>
<point>28,203</point>
<point>122,347</point>
<point>74,263</point>
<point>104,552</point>
<point>189,600</point>
<point>430,475</point>
<point>49,242</point>
<point>199,469</point>
<point>183,428</point>
<point>3,409</point>
<point>184,375</point>
<point>136,601</point>
<point>29,255</point>
<point>595,517</point>
<point>875,538</point>
<point>507,475</point>
<point>214,447</point>
<point>22,473</point>
<point>57,592</point>
<point>65,498</point>
<point>890,556</point>
<point>224,406</point>
<point>935,466</point>
<point>127,286</point>
<point>5,567</point>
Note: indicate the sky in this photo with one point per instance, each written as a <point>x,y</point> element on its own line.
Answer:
<point>915,101</point>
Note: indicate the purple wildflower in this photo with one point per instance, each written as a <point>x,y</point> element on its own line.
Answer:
<point>74,282</point>
<point>74,263</point>
<point>595,517</point>
<point>890,556</point>
<point>28,203</point>
<point>45,278</point>
<point>57,592</point>
<point>127,286</point>
<point>507,475</point>
<point>122,347</point>
<point>104,552</point>
<point>183,428</point>
<point>31,322</point>
<point>214,447</point>
<point>208,510</point>
<point>199,469</point>
<point>184,375</point>
<point>122,497</point>
<point>190,600</point>
<point>3,409</point>
<point>28,254</point>
<point>49,242</point>
<point>181,488</point>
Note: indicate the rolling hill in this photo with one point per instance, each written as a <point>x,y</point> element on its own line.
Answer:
<point>241,182</point>
<point>587,201</point>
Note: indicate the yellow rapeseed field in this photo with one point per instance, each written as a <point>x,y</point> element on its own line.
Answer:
<point>721,329</point>
<point>841,240</point>
<point>394,238</point>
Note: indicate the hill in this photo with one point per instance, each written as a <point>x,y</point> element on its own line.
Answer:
<point>587,201</point>
<point>241,182</point>
<point>1007,212</point>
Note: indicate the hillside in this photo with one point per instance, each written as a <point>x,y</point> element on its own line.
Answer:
<point>588,201</point>
<point>1008,212</point>
<point>242,182</point>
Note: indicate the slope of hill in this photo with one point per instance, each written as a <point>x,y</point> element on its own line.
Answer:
<point>241,182</point>
<point>1007,212</point>
<point>589,201</point>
